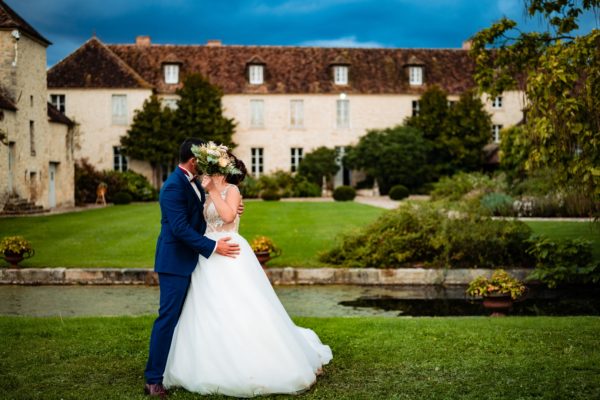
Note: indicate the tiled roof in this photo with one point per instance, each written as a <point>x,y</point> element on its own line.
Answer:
<point>9,19</point>
<point>6,103</point>
<point>56,116</point>
<point>94,65</point>
<point>287,69</point>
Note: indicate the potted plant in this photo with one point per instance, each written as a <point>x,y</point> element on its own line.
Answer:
<point>498,292</point>
<point>15,249</point>
<point>264,249</point>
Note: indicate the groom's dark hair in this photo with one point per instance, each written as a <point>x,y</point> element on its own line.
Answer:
<point>185,150</point>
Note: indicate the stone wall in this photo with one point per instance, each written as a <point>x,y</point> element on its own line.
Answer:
<point>277,276</point>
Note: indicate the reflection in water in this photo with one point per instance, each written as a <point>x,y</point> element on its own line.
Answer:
<point>315,301</point>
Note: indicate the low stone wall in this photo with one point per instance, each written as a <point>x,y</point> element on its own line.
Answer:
<point>278,276</point>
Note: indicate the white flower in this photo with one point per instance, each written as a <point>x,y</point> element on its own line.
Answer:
<point>223,162</point>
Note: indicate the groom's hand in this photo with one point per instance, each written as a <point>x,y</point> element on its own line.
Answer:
<point>227,249</point>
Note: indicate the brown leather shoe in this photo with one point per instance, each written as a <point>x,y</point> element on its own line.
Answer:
<point>155,389</point>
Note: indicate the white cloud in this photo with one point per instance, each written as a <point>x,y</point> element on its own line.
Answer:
<point>345,41</point>
<point>299,6</point>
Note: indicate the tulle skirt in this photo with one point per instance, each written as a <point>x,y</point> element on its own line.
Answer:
<point>235,338</point>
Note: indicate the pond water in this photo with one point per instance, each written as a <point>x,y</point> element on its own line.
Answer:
<point>316,301</point>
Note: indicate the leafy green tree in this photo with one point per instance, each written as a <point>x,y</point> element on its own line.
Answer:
<point>456,134</point>
<point>559,71</point>
<point>392,156</point>
<point>514,152</point>
<point>152,138</point>
<point>200,112</point>
<point>319,163</point>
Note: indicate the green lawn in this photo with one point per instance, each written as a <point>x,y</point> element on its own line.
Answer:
<point>125,236</point>
<point>569,230</point>
<point>374,358</point>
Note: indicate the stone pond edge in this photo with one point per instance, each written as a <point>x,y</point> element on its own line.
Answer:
<point>277,276</point>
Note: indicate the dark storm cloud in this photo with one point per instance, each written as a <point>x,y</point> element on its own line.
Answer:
<point>351,23</point>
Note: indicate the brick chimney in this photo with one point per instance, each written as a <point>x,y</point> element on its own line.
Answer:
<point>142,41</point>
<point>214,43</point>
<point>466,45</point>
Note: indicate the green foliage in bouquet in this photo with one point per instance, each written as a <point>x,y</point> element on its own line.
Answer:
<point>214,159</point>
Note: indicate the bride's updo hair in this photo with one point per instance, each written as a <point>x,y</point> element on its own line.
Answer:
<point>237,178</point>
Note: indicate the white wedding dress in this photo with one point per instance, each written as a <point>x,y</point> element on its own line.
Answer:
<point>234,337</point>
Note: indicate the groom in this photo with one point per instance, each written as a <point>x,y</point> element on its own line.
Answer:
<point>180,242</point>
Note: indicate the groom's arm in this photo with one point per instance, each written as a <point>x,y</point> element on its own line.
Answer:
<point>174,207</point>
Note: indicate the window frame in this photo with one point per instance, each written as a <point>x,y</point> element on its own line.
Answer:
<point>340,74</point>
<point>119,119</point>
<point>256,74</point>
<point>296,113</point>
<point>257,161</point>
<point>59,101</point>
<point>497,102</point>
<point>120,161</point>
<point>415,75</point>
<point>257,118</point>
<point>342,114</point>
<point>171,73</point>
<point>296,156</point>
<point>496,129</point>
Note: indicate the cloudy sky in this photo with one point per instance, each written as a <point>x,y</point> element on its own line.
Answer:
<point>340,23</point>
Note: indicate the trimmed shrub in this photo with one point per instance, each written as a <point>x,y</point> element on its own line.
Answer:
<point>121,198</point>
<point>250,188</point>
<point>304,188</point>
<point>426,235</point>
<point>344,193</point>
<point>270,195</point>
<point>398,192</point>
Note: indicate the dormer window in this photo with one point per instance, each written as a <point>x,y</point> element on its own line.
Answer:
<point>415,75</point>
<point>340,74</point>
<point>256,74</point>
<point>171,74</point>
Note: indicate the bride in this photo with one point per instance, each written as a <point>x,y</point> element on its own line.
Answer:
<point>233,336</point>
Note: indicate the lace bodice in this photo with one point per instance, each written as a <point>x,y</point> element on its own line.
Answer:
<point>214,223</point>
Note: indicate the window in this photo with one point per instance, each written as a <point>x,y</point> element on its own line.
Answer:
<point>497,102</point>
<point>340,75</point>
<point>58,101</point>
<point>32,138</point>
<point>257,161</point>
<point>31,101</point>
<point>171,73</point>
<point>296,113</point>
<point>257,113</point>
<point>296,155</point>
<point>119,160</point>
<point>170,103</point>
<point>256,74</point>
<point>496,133</point>
<point>343,113</point>
<point>416,107</point>
<point>415,75</point>
<point>119,109</point>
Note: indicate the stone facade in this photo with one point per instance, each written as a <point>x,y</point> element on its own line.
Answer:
<point>36,150</point>
<point>377,91</point>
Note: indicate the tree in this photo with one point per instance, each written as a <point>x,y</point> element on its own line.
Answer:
<point>319,163</point>
<point>559,72</point>
<point>456,134</point>
<point>392,156</point>
<point>152,138</point>
<point>200,112</point>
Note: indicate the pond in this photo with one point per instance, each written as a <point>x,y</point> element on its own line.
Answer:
<point>315,301</point>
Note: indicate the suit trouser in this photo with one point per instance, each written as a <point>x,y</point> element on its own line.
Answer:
<point>173,289</point>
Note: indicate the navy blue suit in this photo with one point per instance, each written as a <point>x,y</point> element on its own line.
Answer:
<point>180,242</point>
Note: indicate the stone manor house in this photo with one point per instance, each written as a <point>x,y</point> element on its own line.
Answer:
<point>286,100</point>
<point>36,140</point>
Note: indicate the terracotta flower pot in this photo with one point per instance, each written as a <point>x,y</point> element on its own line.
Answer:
<point>263,257</point>
<point>499,304</point>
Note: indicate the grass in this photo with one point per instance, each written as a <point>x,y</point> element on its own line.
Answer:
<point>374,358</point>
<point>569,230</point>
<point>125,236</point>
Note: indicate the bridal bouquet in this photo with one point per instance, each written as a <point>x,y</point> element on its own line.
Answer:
<point>214,159</point>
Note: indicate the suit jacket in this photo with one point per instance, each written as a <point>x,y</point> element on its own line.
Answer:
<point>183,226</point>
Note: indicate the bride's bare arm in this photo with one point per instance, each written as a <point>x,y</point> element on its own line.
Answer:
<point>228,207</point>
